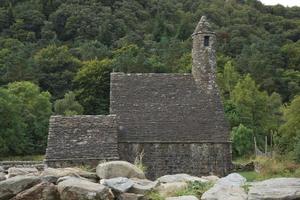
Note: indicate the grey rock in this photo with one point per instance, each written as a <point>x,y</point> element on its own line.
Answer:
<point>141,186</point>
<point>41,191</point>
<point>14,171</point>
<point>233,179</point>
<point>79,177</point>
<point>211,178</point>
<point>187,197</point>
<point>115,169</point>
<point>12,186</point>
<point>170,189</point>
<point>277,188</point>
<point>2,169</point>
<point>180,178</point>
<point>229,187</point>
<point>2,176</point>
<point>49,178</point>
<point>78,189</point>
<point>120,184</point>
<point>60,172</point>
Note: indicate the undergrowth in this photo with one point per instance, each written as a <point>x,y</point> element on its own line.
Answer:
<point>195,188</point>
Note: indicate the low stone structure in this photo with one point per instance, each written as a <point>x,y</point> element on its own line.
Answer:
<point>81,140</point>
<point>176,121</point>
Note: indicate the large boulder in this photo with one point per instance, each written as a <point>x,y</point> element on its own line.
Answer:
<point>60,172</point>
<point>229,187</point>
<point>115,169</point>
<point>180,178</point>
<point>2,176</point>
<point>277,188</point>
<point>42,191</point>
<point>78,189</point>
<point>211,178</point>
<point>187,197</point>
<point>119,184</point>
<point>16,171</point>
<point>170,189</point>
<point>12,186</point>
<point>142,186</point>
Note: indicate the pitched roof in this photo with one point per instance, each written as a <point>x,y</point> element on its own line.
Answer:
<point>165,108</point>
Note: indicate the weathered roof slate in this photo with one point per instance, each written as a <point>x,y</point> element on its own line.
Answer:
<point>165,108</point>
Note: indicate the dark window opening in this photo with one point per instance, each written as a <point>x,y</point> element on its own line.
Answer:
<point>206,41</point>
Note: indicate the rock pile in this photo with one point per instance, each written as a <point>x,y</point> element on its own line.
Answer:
<point>124,181</point>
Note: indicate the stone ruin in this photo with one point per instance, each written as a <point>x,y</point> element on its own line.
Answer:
<point>175,122</point>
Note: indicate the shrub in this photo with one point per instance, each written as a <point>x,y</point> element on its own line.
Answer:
<point>242,138</point>
<point>195,188</point>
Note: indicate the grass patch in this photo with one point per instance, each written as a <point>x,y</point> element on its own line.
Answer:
<point>250,175</point>
<point>195,188</point>
<point>154,195</point>
<point>272,168</point>
<point>23,158</point>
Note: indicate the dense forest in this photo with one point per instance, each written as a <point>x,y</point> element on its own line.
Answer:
<point>56,57</point>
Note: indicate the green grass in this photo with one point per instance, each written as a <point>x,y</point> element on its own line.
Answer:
<point>195,188</point>
<point>250,175</point>
<point>23,158</point>
<point>154,195</point>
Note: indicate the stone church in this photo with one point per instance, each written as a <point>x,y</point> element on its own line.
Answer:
<point>174,122</point>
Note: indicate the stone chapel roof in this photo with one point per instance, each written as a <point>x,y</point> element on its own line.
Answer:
<point>154,107</point>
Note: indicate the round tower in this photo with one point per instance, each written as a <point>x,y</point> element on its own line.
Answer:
<point>204,56</point>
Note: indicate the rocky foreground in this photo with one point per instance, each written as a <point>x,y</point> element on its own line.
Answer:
<point>124,181</point>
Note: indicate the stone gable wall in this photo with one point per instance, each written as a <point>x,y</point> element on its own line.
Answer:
<point>84,139</point>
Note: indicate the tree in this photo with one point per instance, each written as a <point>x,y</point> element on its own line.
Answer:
<point>15,61</point>
<point>228,79</point>
<point>12,126</point>
<point>255,109</point>
<point>56,69</point>
<point>35,113</point>
<point>92,83</point>
<point>68,105</point>
<point>242,139</point>
<point>290,129</point>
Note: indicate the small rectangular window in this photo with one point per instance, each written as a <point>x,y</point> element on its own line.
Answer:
<point>206,41</point>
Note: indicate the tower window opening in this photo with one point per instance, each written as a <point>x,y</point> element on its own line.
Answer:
<point>206,41</point>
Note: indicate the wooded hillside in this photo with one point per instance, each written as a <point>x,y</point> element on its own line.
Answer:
<point>56,56</point>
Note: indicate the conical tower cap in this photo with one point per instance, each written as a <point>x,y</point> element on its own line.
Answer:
<point>203,26</point>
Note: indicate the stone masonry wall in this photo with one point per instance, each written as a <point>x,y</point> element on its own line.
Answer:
<point>171,158</point>
<point>84,139</point>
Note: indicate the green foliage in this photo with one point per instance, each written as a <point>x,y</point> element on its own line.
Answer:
<point>24,158</point>
<point>24,114</point>
<point>289,132</point>
<point>275,167</point>
<point>12,137</point>
<point>250,175</point>
<point>153,195</point>
<point>242,139</point>
<point>73,46</point>
<point>68,105</point>
<point>228,78</point>
<point>35,113</point>
<point>56,68</point>
<point>195,188</point>
<point>92,86</point>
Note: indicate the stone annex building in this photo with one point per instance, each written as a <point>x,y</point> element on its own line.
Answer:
<point>176,121</point>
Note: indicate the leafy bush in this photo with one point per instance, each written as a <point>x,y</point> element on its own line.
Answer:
<point>242,138</point>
